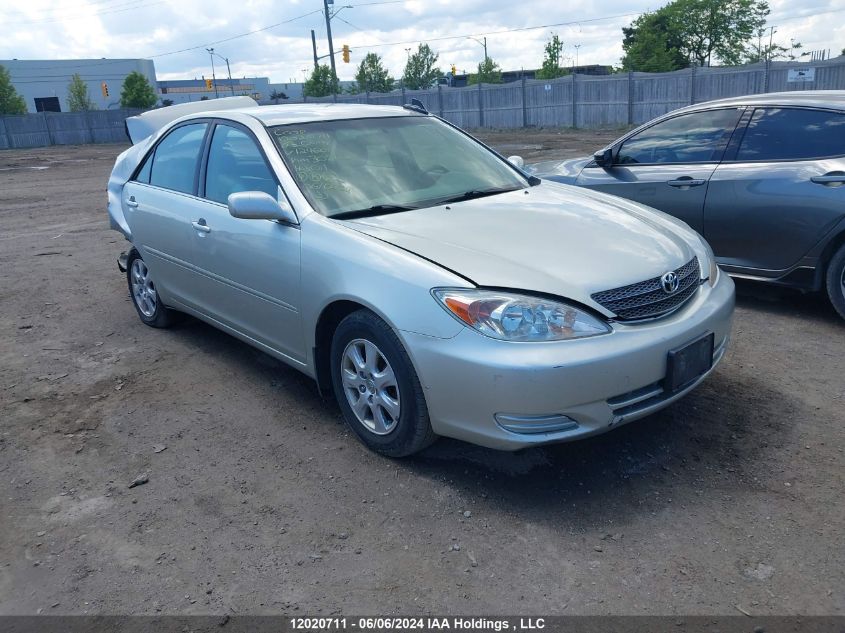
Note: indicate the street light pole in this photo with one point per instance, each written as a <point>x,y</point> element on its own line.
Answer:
<point>213,77</point>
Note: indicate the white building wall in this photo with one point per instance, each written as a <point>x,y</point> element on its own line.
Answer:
<point>50,78</point>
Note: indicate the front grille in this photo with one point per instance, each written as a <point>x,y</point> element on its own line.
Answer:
<point>647,299</point>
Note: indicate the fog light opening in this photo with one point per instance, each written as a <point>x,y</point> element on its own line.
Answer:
<point>532,424</point>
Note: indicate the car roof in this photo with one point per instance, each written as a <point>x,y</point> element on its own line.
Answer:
<point>305,112</point>
<point>834,99</point>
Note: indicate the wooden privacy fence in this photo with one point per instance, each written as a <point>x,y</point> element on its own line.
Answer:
<point>64,128</point>
<point>616,100</point>
<point>585,101</point>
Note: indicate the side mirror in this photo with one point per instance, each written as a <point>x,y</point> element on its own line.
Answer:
<point>604,158</point>
<point>517,162</point>
<point>258,205</point>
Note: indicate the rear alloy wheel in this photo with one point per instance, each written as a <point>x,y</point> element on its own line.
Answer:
<point>836,281</point>
<point>144,295</point>
<point>376,387</point>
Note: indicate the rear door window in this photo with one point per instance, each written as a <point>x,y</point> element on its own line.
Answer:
<point>699,137</point>
<point>176,158</point>
<point>792,134</point>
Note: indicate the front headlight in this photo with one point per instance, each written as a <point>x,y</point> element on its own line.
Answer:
<point>514,317</point>
<point>713,274</point>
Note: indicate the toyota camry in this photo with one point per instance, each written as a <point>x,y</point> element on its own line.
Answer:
<point>428,283</point>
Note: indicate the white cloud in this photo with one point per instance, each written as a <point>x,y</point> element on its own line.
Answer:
<point>44,29</point>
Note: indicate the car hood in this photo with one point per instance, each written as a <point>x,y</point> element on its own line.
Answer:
<point>550,238</point>
<point>565,171</point>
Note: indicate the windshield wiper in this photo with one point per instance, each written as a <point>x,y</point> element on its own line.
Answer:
<point>472,194</point>
<point>378,209</point>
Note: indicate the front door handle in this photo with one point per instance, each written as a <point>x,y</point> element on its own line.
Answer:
<point>201,226</point>
<point>832,178</point>
<point>686,181</point>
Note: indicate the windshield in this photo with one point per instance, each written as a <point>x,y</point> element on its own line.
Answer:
<point>383,165</point>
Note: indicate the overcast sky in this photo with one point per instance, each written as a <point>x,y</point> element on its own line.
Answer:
<point>69,29</point>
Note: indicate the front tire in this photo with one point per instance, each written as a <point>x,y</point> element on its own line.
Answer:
<point>142,291</point>
<point>376,387</point>
<point>836,281</point>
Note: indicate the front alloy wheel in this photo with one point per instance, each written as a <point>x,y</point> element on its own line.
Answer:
<point>370,386</point>
<point>377,388</point>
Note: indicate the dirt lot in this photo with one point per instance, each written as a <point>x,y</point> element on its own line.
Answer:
<point>262,501</point>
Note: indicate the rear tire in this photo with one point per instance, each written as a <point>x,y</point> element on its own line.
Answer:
<point>376,387</point>
<point>836,281</point>
<point>142,291</point>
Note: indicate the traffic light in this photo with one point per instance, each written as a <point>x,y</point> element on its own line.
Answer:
<point>346,53</point>
<point>209,85</point>
<point>454,70</point>
<point>104,88</point>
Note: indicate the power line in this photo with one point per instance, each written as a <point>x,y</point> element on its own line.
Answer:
<point>514,30</point>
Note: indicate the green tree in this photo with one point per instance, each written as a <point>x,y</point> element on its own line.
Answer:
<point>321,83</point>
<point>10,101</point>
<point>693,31</point>
<point>372,76</point>
<point>78,99</point>
<point>137,92</point>
<point>551,68</point>
<point>650,44</point>
<point>488,73</point>
<point>761,50</point>
<point>420,70</point>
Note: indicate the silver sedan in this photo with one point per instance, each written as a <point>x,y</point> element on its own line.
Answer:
<point>428,283</point>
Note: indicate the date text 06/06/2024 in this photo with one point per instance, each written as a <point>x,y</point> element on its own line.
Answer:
<point>416,623</point>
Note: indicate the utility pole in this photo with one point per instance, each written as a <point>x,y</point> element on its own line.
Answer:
<point>577,46</point>
<point>213,77</point>
<point>314,46</point>
<point>229,71</point>
<point>329,34</point>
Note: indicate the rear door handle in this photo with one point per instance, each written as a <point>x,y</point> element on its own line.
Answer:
<point>131,202</point>
<point>201,226</point>
<point>829,179</point>
<point>686,181</point>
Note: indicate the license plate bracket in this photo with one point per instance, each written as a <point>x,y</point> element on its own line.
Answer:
<point>687,363</point>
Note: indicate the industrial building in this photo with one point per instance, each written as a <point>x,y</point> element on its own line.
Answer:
<point>175,91</point>
<point>43,83</point>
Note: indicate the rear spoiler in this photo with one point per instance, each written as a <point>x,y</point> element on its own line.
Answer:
<point>143,125</point>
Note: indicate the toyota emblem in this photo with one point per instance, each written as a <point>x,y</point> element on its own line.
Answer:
<point>670,282</point>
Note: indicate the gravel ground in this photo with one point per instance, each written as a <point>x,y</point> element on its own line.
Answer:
<point>259,500</point>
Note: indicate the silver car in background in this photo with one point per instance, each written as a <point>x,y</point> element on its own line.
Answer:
<point>430,284</point>
<point>761,177</point>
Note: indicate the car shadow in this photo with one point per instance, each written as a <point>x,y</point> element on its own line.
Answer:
<point>713,439</point>
<point>785,301</point>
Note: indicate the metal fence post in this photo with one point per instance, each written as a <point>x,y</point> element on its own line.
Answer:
<point>692,84</point>
<point>524,106</point>
<point>574,103</point>
<point>766,77</point>
<point>480,107</point>
<point>367,97</point>
<point>630,97</point>
<point>440,99</point>
<point>47,125</point>
<point>403,94</point>
<point>8,133</point>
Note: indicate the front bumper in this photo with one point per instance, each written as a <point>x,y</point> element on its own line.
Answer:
<point>599,383</point>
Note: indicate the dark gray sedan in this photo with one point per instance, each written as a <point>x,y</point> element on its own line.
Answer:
<point>760,177</point>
